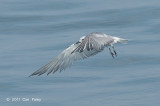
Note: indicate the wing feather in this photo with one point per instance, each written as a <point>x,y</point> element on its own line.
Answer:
<point>89,46</point>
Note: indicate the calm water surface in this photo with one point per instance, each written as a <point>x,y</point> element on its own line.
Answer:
<point>34,32</point>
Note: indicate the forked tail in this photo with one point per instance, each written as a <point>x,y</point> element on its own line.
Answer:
<point>123,40</point>
<point>119,40</point>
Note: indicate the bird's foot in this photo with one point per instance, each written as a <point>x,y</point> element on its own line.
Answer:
<point>111,53</point>
<point>114,51</point>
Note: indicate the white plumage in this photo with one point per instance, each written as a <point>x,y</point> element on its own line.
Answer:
<point>87,46</point>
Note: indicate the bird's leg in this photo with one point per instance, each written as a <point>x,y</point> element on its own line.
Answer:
<point>111,53</point>
<point>114,51</point>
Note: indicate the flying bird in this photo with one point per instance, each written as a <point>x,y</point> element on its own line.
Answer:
<point>87,46</point>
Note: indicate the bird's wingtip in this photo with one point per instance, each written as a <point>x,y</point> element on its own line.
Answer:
<point>30,75</point>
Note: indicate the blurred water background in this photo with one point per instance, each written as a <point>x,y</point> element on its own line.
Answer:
<point>34,32</point>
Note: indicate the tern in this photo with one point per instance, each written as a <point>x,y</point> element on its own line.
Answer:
<point>87,46</point>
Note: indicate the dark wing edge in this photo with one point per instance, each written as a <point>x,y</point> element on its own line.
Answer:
<point>87,44</point>
<point>88,47</point>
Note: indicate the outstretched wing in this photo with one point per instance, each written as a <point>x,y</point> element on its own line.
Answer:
<point>65,59</point>
<point>86,47</point>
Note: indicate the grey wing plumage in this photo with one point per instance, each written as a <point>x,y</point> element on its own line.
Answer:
<point>95,41</point>
<point>89,46</point>
<point>64,60</point>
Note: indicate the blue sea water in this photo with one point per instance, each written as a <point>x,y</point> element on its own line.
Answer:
<point>34,32</point>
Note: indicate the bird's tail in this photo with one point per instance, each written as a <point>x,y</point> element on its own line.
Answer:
<point>119,40</point>
<point>123,40</point>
